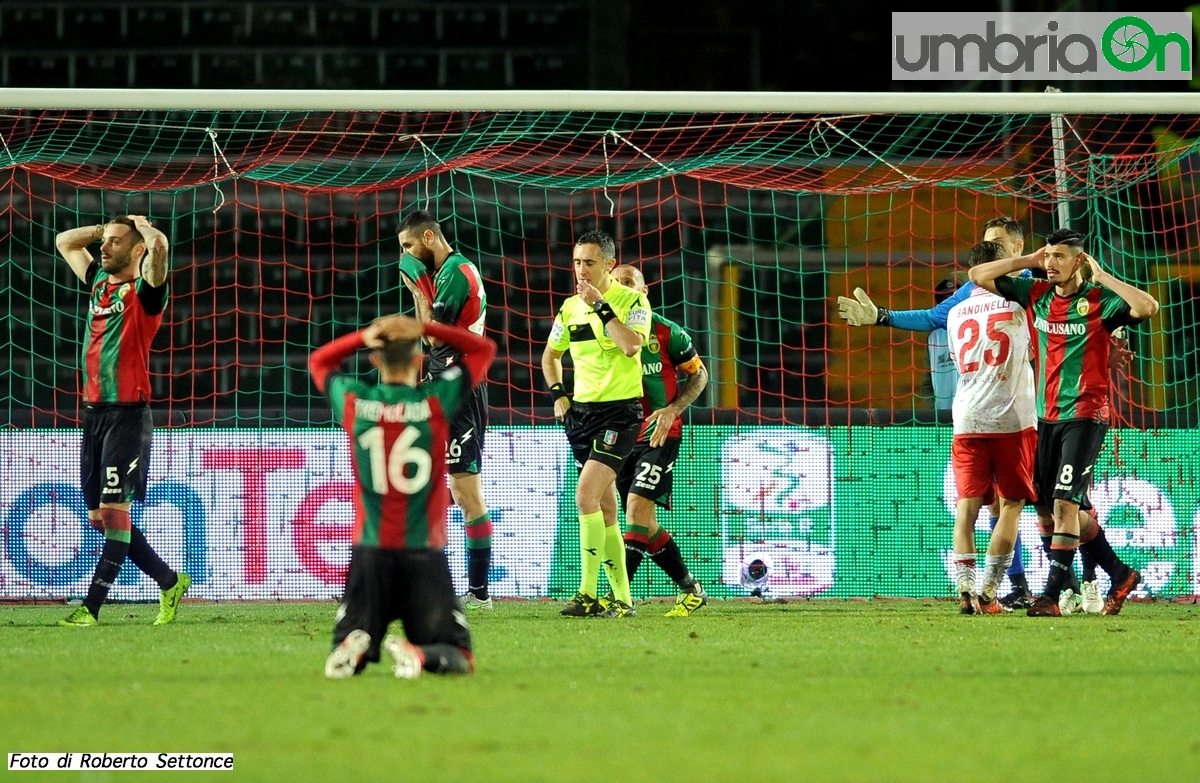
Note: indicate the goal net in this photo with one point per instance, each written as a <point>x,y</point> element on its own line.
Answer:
<point>818,448</point>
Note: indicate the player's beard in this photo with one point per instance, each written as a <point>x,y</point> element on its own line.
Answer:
<point>115,265</point>
<point>424,255</point>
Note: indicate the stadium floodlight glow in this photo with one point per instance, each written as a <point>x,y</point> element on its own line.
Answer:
<point>602,100</point>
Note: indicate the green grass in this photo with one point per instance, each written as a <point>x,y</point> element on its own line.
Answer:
<point>809,691</point>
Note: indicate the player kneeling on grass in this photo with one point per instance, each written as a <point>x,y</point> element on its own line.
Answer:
<point>398,430</point>
<point>1072,318</point>
<point>647,475</point>
<point>995,429</point>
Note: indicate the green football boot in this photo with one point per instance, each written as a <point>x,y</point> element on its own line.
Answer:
<point>168,600</point>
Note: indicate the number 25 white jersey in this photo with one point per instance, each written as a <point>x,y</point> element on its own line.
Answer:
<point>989,338</point>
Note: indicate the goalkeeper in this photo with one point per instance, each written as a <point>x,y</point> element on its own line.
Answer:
<point>861,311</point>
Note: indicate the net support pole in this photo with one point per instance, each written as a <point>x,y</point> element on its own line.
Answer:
<point>723,292</point>
<point>1058,135</point>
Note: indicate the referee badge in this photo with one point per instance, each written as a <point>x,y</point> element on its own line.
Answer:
<point>610,437</point>
<point>1082,307</point>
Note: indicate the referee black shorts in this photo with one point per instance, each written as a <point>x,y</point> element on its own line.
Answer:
<point>1066,456</point>
<point>409,585</point>
<point>603,431</point>
<point>114,460</point>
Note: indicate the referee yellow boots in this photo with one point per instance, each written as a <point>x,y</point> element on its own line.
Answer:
<point>583,605</point>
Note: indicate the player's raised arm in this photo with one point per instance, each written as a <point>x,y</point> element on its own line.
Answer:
<point>986,275</point>
<point>1141,304</point>
<point>330,356</point>
<point>72,246</point>
<point>154,263</point>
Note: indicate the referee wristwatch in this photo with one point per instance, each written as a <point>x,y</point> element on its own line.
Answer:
<point>604,310</point>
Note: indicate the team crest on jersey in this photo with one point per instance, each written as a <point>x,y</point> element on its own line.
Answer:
<point>1082,307</point>
<point>653,344</point>
<point>610,437</point>
<point>124,290</point>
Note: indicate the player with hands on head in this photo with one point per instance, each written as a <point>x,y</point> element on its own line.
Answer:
<point>1072,319</point>
<point>648,473</point>
<point>604,326</point>
<point>398,433</point>
<point>448,289</point>
<point>128,294</point>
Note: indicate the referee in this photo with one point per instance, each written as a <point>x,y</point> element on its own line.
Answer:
<point>603,326</point>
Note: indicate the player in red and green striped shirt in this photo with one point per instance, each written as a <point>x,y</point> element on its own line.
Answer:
<point>647,475</point>
<point>127,295</point>
<point>398,432</point>
<point>448,288</point>
<point>1071,313</point>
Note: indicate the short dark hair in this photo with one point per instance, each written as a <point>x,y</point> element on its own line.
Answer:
<point>397,354</point>
<point>984,252</point>
<point>125,220</point>
<point>1067,236</point>
<point>945,287</point>
<point>608,248</point>
<point>419,221</point>
<point>1011,227</point>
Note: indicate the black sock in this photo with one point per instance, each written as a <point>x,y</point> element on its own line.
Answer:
<point>1019,583</point>
<point>1088,562</point>
<point>670,560</point>
<point>445,659</point>
<point>105,575</point>
<point>634,552</point>
<point>478,563</point>
<point>142,555</point>
<point>1101,553</point>
<point>1060,572</point>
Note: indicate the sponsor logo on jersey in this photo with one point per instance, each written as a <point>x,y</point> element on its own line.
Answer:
<point>374,410</point>
<point>651,368</point>
<point>1042,325</point>
<point>639,316</point>
<point>1082,307</point>
<point>102,312</point>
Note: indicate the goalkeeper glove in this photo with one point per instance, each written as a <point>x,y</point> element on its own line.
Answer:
<point>861,311</point>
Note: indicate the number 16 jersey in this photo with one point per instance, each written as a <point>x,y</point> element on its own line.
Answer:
<point>398,439</point>
<point>989,339</point>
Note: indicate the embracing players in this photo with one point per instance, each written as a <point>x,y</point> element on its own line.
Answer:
<point>649,471</point>
<point>995,429</point>
<point>128,294</point>
<point>448,289</point>
<point>1072,319</point>
<point>398,435</point>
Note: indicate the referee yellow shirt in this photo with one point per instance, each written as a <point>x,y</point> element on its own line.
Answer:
<point>603,373</point>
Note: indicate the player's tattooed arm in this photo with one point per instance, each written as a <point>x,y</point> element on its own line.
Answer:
<point>154,265</point>
<point>72,246</point>
<point>420,302</point>
<point>663,418</point>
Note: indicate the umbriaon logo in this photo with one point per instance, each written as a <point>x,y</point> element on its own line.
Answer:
<point>1034,46</point>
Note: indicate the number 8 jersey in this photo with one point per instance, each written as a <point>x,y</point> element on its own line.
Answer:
<point>989,338</point>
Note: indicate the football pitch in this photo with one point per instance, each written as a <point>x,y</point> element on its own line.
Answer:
<point>807,691</point>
